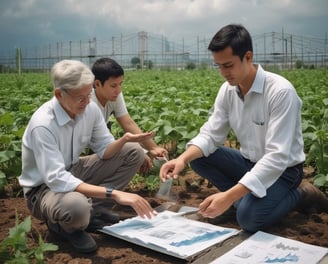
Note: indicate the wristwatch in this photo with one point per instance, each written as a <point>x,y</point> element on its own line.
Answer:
<point>109,191</point>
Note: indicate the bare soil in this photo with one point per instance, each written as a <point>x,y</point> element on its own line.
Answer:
<point>190,190</point>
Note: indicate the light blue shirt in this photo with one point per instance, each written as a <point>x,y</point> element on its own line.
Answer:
<point>53,141</point>
<point>267,123</point>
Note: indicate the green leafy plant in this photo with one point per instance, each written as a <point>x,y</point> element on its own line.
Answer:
<point>149,182</point>
<point>174,104</point>
<point>20,96</point>
<point>152,183</point>
<point>14,248</point>
<point>312,88</point>
<point>319,149</point>
<point>136,181</point>
<point>10,149</point>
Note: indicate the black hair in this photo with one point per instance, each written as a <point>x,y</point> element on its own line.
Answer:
<point>105,68</point>
<point>234,36</point>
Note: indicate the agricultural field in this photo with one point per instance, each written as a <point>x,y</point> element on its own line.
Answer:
<point>174,104</point>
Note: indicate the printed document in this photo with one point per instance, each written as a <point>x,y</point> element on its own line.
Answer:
<point>170,233</point>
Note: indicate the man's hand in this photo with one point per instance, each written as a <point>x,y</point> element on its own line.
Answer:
<point>139,204</point>
<point>215,205</point>
<point>218,203</point>
<point>117,145</point>
<point>129,137</point>
<point>146,166</point>
<point>158,152</point>
<point>171,169</point>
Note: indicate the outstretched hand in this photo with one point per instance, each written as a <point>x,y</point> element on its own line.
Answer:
<point>129,137</point>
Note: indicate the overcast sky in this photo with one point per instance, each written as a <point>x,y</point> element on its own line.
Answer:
<point>33,23</point>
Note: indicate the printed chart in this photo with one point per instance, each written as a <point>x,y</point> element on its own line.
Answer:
<point>267,248</point>
<point>170,233</point>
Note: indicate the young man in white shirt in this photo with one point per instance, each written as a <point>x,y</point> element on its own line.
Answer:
<point>262,179</point>
<point>107,94</point>
<point>59,184</point>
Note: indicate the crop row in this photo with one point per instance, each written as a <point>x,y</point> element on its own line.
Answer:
<point>174,104</point>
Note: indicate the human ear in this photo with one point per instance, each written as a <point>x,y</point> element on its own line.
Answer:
<point>248,55</point>
<point>97,83</point>
<point>58,93</point>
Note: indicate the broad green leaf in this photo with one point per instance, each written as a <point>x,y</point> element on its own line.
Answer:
<point>325,101</point>
<point>6,119</point>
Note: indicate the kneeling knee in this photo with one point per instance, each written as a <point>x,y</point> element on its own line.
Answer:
<point>135,152</point>
<point>195,164</point>
<point>76,211</point>
<point>248,221</point>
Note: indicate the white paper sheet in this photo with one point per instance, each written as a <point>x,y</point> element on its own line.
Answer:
<point>267,248</point>
<point>170,233</point>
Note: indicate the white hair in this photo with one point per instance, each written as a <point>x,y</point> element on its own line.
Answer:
<point>71,74</point>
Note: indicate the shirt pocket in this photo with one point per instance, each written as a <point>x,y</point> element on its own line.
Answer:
<point>259,126</point>
<point>85,140</point>
<point>258,122</point>
<point>258,118</point>
<point>258,114</point>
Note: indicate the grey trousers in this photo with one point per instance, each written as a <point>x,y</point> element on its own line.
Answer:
<point>72,210</point>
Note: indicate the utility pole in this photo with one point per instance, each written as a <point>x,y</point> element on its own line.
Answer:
<point>325,56</point>
<point>291,51</point>
<point>113,46</point>
<point>142,47</point>
<point>18,60</point>
<point>121,47</point>
<point>70,49</point>
<point>264,47</point>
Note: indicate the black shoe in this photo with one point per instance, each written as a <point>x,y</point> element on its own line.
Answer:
<point>102,213</point>
<point>101,219</point>
<point>109,217</point>
<point>80,240</point>
<point>95,224</point>
<point>312,199</point>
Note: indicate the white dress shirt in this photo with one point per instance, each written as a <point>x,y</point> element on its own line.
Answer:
<point>53,141</point>
<point>267,123</point>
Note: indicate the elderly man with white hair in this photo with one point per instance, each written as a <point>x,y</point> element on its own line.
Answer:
<point>62,187</point>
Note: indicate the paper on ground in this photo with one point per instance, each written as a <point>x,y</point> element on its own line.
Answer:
<point>267,248</point>
<point>170,233</point>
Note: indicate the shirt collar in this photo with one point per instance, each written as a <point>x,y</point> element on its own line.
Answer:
<point>60,114</point>
<point>258,84</point>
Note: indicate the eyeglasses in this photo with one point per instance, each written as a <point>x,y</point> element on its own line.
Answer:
<point>79,99</point>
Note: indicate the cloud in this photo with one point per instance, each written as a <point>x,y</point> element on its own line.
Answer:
<point>36,22</point>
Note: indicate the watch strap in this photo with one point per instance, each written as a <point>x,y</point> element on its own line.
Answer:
<point>109,191</point>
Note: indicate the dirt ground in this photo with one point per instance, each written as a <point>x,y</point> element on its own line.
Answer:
<point>190,190</point>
